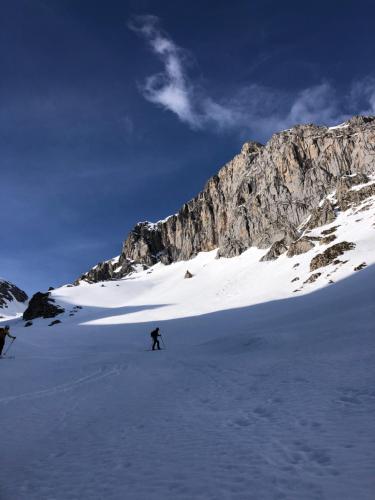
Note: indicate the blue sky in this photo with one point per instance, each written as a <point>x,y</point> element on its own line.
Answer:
<point>119,111</point>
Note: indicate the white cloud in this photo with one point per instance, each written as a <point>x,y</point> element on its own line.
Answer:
<point>170,88</point>
<point>253,109</point>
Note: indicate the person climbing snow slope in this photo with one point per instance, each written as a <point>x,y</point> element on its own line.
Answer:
<point>4,332</point>
<point>154,335</point>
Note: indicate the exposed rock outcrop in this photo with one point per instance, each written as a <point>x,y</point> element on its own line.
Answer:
<point>352,197</point>
<point>259,198</point>
<point>329,231</point>
<point>10,293</point>
<point>107,270</point>
<point>188,275</point>
<point>41,305</point>
<point>328,239</point>
<point>322,215</point>
<point>312,278</point>
<point>277,248</point>
<point>360,267</point>
<point>54,322</point>
<point>300,246</point>
<point>330,254</point>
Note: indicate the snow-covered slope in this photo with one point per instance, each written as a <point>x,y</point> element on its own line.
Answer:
<point>161,292</point>
<point>265,389</point>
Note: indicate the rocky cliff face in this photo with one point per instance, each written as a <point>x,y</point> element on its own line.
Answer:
<point>260,198</point>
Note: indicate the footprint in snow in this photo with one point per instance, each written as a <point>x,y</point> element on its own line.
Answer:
<point>263,412</point>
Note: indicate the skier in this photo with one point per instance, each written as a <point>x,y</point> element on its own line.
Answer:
<point>154,335</point>
<point>3,333</point>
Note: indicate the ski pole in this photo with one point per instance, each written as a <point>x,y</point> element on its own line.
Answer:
<point>9,346</point>
<point>162,341</point>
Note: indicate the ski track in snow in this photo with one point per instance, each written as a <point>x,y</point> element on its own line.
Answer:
<point>93,377</point>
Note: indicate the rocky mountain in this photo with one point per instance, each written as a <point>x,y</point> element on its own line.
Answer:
<point>12,299</point>
<point>260,199</point>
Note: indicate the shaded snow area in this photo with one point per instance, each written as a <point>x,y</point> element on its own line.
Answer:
<point>13,309</point>
<point>265,391</point>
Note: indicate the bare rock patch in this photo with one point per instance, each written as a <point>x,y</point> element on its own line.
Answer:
<point>330,254</point>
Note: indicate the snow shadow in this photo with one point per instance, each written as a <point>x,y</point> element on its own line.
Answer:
<point>93,313</point>
<point>342,308</point>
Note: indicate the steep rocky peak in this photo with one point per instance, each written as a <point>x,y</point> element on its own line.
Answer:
<point>258,198</point>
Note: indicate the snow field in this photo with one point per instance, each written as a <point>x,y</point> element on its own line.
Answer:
<point>263,393</point>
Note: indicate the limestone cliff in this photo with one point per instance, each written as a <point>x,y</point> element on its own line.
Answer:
<point>259,198</point>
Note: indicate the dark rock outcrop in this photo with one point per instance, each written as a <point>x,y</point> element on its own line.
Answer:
<point>299,247</point>
<point>108,270</point>
<point>328,239</point>
<point>329,231</point>
<point>360,267</point>
<point>330,254</point>
<point>188,275</point>
<point>312,278</point>
<point>55,322</point>
<point>10,293</point>
<point>277,248</point>
<point>41,305</point>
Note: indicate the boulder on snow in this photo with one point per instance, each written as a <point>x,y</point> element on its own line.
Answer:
<point>330,254</point>
<point>312,278</point>
<point>28,323</point>
<point>330,230</point>
<point>360,267</point>
<point>55,322</point>
<point>339,262</point>
<point>188,275</point>
<point>328,239</point>
<point>300,246</point>
<point>277,248</point>
<point>42,305</point>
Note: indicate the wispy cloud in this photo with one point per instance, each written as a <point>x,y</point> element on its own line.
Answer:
<point>252,109</point>
<point>170,88</point>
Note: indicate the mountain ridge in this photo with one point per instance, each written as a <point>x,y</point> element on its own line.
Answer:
<point>259,198</point>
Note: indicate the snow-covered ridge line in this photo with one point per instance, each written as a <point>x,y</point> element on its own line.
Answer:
<point>154,225</point>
